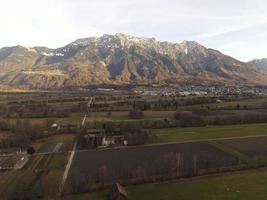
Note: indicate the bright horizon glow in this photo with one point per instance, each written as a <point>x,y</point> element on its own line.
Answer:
<point>237,28</point>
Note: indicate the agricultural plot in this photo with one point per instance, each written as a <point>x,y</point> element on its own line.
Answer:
<point>8,162</point>
<point>246,185</point>
<point>39,179</point>
<point>103,167</point>
<point>57,143</point>
<point>249,146</point>
<point>123,115</point>
<point>205,133</point>
<point>74,118</point>
<point>5,135</point>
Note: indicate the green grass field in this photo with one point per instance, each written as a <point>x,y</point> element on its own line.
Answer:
<point>74,118</point>
<point>205,133</point>
<point>58,162</point>
<point>246,185</point>
<point>123,115</point>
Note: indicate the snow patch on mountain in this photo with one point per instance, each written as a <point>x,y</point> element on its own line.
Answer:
<point>59,54</point>
<point>82,42</point>
<point>186,51</point>
<point>47,54</point>
<point>45,73</point>
<point>31,49</point>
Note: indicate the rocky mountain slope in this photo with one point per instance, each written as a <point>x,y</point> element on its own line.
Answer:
<point>260,64</point>
<point>122,59</point>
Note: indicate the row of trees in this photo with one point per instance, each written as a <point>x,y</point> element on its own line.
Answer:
<point>22,133</point>
<point>36,110</point>
<point>191,119</point>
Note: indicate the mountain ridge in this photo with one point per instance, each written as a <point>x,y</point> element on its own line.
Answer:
<point>260,64</point>
<point>122,59</point>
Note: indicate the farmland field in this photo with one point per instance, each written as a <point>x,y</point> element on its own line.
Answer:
<point>132,164</point>
<point>246,185</point>
<point>147,161</point>
<point>39,178</point>
<point>48,144</point>
<point>205,133</point>
<point>74,118</point>
<point>5,134</point>
<point>10,161</point>
<point>123,115</point>
<point>191,151</point>
<point>248,146</point>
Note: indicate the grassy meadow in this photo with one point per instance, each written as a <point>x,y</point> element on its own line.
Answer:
<point>244,185</point>
<point>170,135</point>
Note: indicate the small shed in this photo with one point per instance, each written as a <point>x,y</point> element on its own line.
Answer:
<point>118,192</point>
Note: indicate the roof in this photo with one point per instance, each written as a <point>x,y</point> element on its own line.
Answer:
<point>93,135</point>
<point>117,136</point>
<point>109,138</point>
<point>121,190</point>
<point>95,130</point>
<point>54,125</point>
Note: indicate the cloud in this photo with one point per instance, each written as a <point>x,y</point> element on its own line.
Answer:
<point>245,44</point>
<point>55,23</point>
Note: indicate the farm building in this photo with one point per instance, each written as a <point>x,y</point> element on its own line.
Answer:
<point>118,192</point>
<point>95,137</point>
<point>98,137</point>
<point>114,140</point>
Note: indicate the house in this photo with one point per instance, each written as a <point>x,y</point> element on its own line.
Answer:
<point>114,140</point>
<point>95,137</point>
<point>118,192</point>
<point>98,137</point>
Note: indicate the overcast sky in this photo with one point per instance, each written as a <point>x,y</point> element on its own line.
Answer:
<point>235,27</point>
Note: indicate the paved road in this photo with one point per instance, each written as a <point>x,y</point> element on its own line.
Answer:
<point>84,118</point>
<point>88,106</point>
<point>68,166</point>
<point>67,169</point>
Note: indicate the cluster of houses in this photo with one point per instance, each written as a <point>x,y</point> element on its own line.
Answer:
<point>94,137</point>
<point>99,138</point>
<point>199,90</point>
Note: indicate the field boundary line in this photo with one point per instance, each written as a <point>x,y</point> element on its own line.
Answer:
<point>231,151</point>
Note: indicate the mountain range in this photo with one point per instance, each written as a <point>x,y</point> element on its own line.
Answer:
<point>121,60</point>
